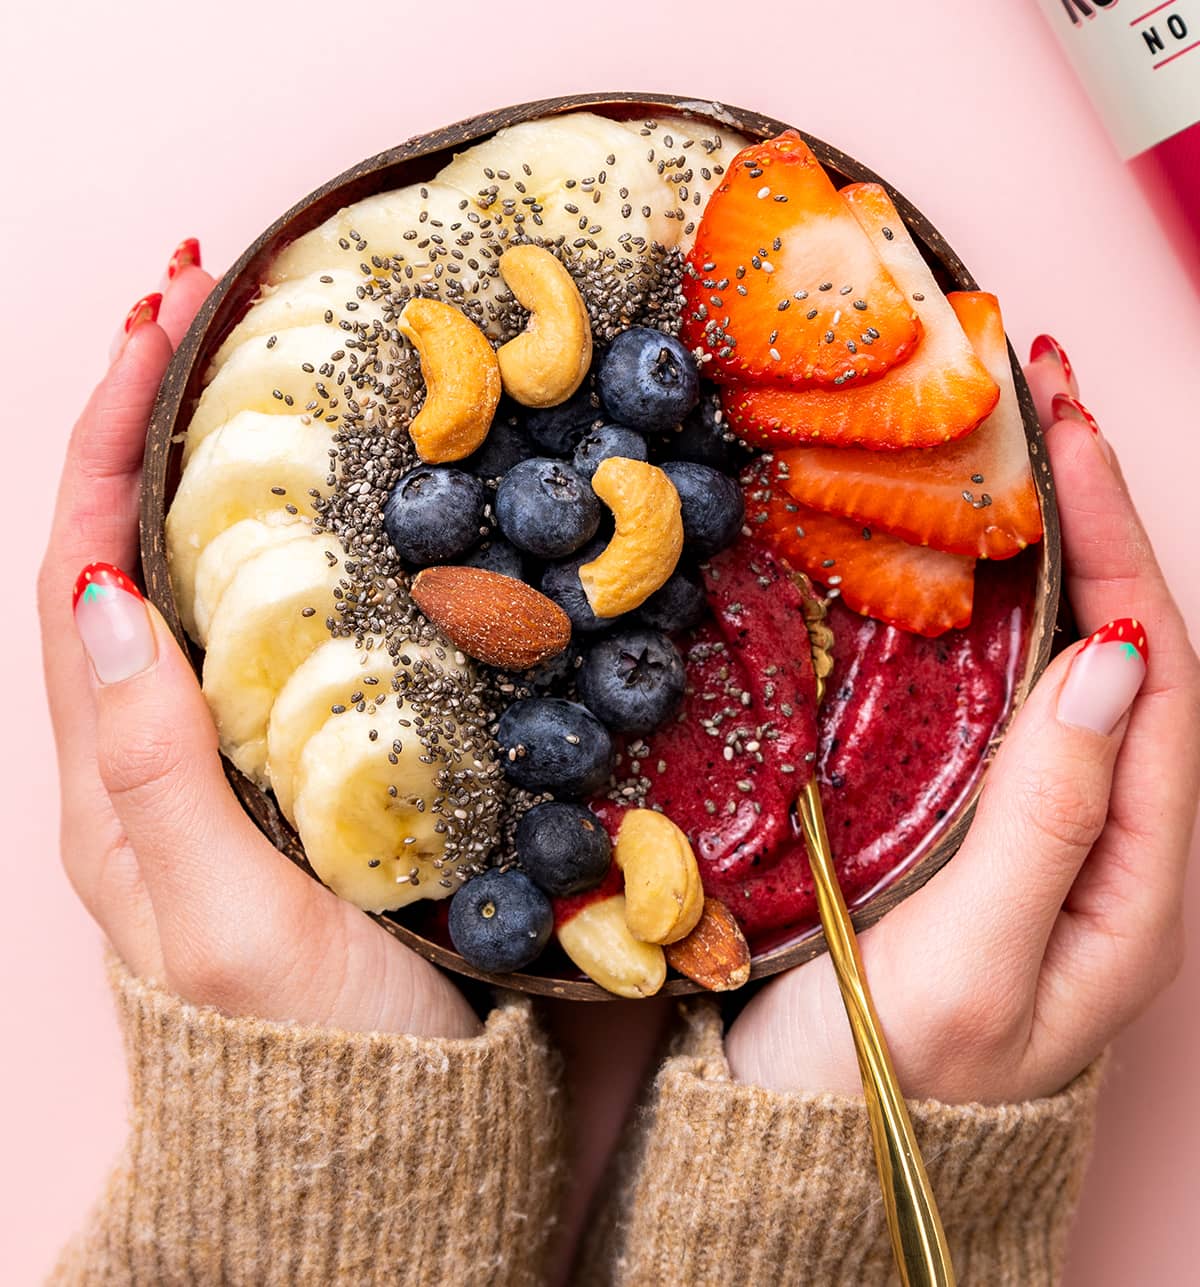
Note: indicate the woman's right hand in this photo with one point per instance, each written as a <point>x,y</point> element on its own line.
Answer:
<point>190,894</point>
<point>1060,918</point>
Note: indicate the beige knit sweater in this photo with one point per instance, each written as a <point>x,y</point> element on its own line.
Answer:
<point>266,1154</point>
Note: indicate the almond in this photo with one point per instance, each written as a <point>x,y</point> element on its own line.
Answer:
<point>495,619</point>
<point>715,954</point>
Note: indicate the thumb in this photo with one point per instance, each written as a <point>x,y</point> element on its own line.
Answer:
<point>241,927</point>
<point>213,879</point>
<point>1044,804</point>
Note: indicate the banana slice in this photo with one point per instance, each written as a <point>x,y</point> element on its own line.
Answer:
<point>367,824</point>
<point>331,297</point>
<point>691,157</point>
<point>429,233</point>
<point>580,176</point>
<point>260,633</point>
<point>398,224</point>
<point>338,673</point>
<point>268,375</point>
<point>226,552</point>
<point>431,237</point>
<point>247,467</point>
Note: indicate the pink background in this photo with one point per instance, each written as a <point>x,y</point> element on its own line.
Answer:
<point>126,134</point>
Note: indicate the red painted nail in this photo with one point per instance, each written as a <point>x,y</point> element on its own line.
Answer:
<point>1126,630</point>
<point>1105,677</point>
<point>1067,408</point>
<point>114,626</point>
<point>1047,344</point>
<point>102,574</point>
<point>185,255</point>
<point>145,310</point>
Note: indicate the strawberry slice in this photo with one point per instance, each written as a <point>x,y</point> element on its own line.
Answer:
<point>908,586</point>
<point>973,496</point>
<point>943,392</point>
<point>782,285</point>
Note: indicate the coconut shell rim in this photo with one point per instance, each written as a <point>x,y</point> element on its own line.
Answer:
<point>427,152</point>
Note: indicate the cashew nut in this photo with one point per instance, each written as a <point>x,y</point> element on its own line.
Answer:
<point>663,894</point>
<point>462,380</point>
<point>647,540</point>
<point>546,363</point>
<point>598,939</point>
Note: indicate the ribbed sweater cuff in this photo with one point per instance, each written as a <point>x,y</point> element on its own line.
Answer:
<point>733,1184</point>
<point>265,1153</point>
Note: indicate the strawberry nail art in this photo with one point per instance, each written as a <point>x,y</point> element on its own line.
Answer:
<point>111,617</point>
<point>1068,408</point>
<point>185,255</point>
<point>98,580</point>
<point>1128,632</point>
<point>1105,676</point>
<point>1046,346</point>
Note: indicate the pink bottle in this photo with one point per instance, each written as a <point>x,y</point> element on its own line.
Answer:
<point>1140,62</point>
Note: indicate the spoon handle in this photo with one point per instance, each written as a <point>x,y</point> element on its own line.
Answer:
<point>918,1239</point>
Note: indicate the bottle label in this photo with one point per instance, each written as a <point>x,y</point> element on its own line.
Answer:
<point>1140,62</point>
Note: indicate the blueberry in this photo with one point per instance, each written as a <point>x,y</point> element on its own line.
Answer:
<point>500,921</point>
<point>507,444</point>
<point>563,847</point>
<point>553,675</point>
<point>557,430</point>
<point>600,444</point>
<point>648,380</point>
<point>548,744</point>
<point>434,515</point>
<point>704,437</point>
<point>560,582</point>
<point>632,680</point>
<point>713,507</point>
<point>497,555</point>
<point>545,508</point>
<point>679,605</point>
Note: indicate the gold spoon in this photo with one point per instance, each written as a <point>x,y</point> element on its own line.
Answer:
<point>918,1239</point>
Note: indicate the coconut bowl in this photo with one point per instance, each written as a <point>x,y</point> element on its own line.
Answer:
<point>419,159</point>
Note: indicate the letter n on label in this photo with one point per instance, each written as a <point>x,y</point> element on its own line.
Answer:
<point>1076,8</point>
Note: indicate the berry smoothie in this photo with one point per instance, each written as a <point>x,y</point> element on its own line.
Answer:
<point>900,737</point>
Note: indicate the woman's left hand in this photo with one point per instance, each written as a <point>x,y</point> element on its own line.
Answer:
<point>189,892</point>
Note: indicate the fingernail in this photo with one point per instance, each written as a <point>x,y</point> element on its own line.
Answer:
<point>1048,348</point>
<point>1105,676</point>
<point>185,255</point>
<point>145,310</point>
<point>111,617</point>
<point>1067,408</point>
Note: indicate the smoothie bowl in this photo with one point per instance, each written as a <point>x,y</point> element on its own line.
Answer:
<point>546,500</point>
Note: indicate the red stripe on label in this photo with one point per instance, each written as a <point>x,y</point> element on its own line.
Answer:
<point>1157,9</point>
<point>1194,45</point>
